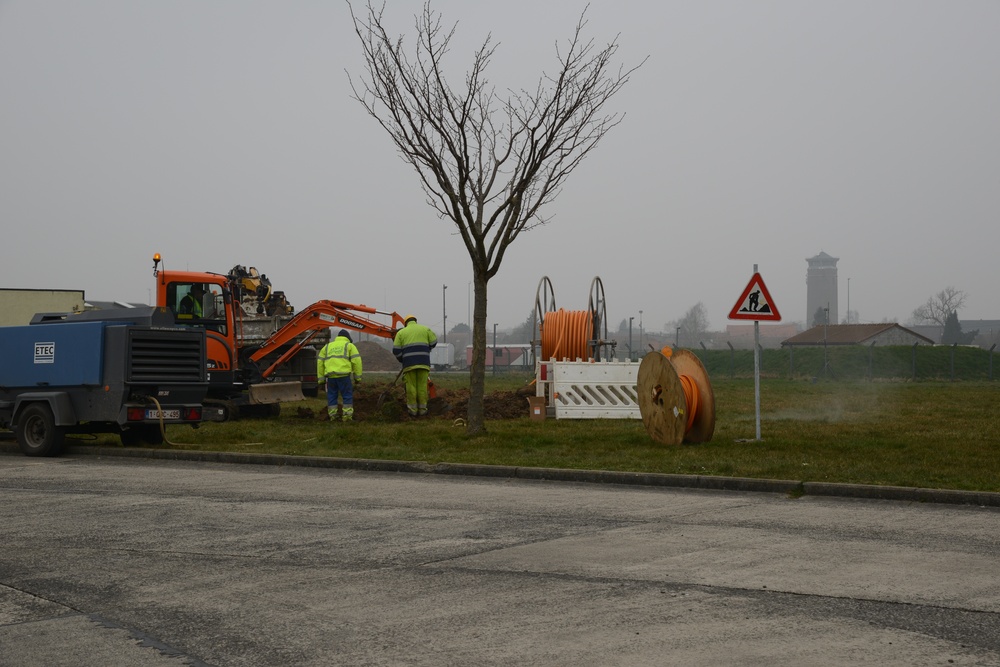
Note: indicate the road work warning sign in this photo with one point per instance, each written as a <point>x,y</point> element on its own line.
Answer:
<point>755,303</point>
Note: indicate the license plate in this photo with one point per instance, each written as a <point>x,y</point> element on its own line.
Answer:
<point>167,414</point>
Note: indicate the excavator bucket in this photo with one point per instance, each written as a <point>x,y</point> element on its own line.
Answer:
<point>276,392</point>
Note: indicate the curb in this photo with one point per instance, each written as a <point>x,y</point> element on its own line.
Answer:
<point>705,482</point>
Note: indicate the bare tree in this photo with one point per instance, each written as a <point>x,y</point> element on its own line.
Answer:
<point>488,164</point>
<point>693,325</point>
<point>939,306</point>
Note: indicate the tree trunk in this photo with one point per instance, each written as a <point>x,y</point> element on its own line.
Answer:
<point>476,417</point>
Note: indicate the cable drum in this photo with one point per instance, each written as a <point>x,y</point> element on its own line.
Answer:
<point>572,335</point>
<point>675,398</point>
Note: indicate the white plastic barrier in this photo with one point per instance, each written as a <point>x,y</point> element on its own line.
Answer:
<point>590,390</point>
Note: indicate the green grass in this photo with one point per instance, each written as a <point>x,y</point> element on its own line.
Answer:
<point>921,434</point>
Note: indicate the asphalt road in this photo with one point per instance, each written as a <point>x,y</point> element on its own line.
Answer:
<point>139,563</point>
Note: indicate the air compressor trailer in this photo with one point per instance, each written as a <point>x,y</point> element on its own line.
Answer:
<point>126,371</point>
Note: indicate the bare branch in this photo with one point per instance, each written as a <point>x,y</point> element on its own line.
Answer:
<point>938,307</point>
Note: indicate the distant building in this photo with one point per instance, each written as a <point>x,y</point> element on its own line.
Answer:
<point>18,306</point>
<point>821,287</point>
<point>741,336</point>
<point>886,333</point>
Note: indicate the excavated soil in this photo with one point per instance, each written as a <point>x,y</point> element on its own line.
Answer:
<point>385,400</point>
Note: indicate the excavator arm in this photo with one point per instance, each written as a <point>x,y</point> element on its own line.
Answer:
<point>317,317</point>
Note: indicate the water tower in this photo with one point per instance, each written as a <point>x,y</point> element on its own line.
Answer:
<point>821,287</point>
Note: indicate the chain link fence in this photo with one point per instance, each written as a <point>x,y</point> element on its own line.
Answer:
<point>854,362</point>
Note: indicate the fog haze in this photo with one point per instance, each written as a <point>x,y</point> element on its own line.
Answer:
<point>223,133</point>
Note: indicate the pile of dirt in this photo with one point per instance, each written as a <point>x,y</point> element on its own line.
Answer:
<point>376,358</point>
<point>381,400</point>
<point>384,398</point>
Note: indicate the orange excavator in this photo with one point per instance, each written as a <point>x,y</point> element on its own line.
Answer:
<point>259,352</point>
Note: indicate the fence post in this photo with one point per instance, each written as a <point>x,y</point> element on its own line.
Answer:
<point>953,346</point>
<point>791,361</point>
<point>871,351</point>
<point>915,360</point>
<point>991,360</point>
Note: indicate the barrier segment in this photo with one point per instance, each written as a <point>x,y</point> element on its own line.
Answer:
<point>591,389</point>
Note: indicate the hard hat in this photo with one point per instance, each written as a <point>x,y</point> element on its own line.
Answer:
<point>408,318</point>
<point>345,334</point>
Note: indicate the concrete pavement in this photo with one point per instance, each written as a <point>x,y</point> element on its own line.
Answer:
<point>108,560</point>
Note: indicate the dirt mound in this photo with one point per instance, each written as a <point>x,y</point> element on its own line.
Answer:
<point>376,358</point>
<point>384,401</point>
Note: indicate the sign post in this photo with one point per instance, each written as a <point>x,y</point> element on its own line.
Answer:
<point>755,304</point>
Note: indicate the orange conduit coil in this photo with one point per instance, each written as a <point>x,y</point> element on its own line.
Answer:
<point>689,386</point>
<point>565,334</point>
<point>690,397</point>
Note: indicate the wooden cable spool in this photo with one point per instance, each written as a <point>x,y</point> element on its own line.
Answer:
<point>675,397</point>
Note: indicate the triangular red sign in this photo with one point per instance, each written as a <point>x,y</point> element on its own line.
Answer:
<point>755,303</point>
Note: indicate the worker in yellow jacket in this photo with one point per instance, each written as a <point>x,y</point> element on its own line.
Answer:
<point>337,363</point>
<point>412,346</point>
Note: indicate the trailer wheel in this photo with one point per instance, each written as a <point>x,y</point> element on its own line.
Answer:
<point>37,433</point>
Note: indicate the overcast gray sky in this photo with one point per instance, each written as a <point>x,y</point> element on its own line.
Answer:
<point>222,132</point>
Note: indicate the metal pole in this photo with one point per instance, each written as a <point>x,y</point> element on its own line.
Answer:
<point>640,331</point>
<point>630,338</point>
<point>732,361</point>
<point>756,369</point>
<point>494,348</point>
<point>677,337</point>
<point>826,323</point>
<point>991,359</point>
<point>444,314</point>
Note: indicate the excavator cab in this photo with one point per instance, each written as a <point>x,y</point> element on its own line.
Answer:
<point>201,304</point>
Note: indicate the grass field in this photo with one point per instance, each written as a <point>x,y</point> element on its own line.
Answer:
<point>931,434</point>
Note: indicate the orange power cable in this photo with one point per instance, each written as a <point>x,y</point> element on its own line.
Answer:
<point>690,397</point>
<point>565,334</point>
<point>690,388</point>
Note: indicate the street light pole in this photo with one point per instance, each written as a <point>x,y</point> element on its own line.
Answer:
<point>444,314</point>
<point>640,330</point>
<point>630,338</point>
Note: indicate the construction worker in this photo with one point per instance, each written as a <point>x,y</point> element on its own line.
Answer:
<point>191,303</point>
<point>412,346</point>
<point>337,362</point>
